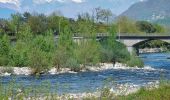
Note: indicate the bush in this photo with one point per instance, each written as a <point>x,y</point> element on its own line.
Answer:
<point>135,61</point>
<point>73,64</point>
<point>19,55</point>
<point>4,50</point>
<point>45,43</point>
<point>88,52</point>
<point>161,93</point>
<point>114,52</point>
<point>38,60</point>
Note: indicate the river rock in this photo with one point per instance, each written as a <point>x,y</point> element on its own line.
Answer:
<point>22,71</point>
<point>6,74</point>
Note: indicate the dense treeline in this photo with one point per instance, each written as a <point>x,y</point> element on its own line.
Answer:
<point>42,52</point>
<point>126,25</point>
<point>100,19</point>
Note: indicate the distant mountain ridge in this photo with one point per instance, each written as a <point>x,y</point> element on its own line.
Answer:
<point>150,10</point>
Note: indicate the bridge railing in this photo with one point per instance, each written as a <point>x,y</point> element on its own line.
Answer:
<point>143,34</point>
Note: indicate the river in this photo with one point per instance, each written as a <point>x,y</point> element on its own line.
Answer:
<point>91,81</point>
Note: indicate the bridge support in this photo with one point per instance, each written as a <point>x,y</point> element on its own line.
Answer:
<point>132,49</point>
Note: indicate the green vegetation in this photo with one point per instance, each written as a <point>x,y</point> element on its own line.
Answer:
<point>161,93</point>
<point>125,25</point>
<point>135,61</point>
<point>34,45</point>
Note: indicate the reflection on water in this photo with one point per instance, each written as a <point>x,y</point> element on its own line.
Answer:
<point>90,81</point>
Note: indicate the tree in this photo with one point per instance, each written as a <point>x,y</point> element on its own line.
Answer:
<point>16,22</point>
<point>88,52</point>
<point>113,51</point>
<point>159,28</point>
<point>38,60</point>
<point>53,23</point>
<point>38,23</point>
<point>65,48</point>
<point>26,16</point>
<point>102,15</point>
<point>125,25</point>
<point>18,55</point>
<point>4,50</point>
<point>145,26</point>
<point>19,52</point>
<point>25,34</point>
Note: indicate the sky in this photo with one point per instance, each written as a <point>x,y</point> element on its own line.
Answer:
<point>68,8</point>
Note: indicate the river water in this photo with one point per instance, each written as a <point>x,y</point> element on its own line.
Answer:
<point>91,81</point>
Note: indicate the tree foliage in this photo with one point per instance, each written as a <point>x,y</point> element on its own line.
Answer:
<point>4,50</point>
<point>126,25</point>
<point>36,45</point>
<point>147,27</point>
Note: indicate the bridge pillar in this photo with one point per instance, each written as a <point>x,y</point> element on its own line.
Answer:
<point>133,49</point>
<point>130,49</point>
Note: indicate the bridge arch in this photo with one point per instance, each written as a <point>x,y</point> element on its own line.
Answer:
<point>137,45</point>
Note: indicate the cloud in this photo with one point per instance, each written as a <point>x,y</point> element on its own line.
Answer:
<point>61,1</point>
<point>78,1</point>
<point>13,4</point>
<point>142,0</point>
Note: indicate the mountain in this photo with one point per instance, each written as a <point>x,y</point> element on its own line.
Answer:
<point>150,10</point>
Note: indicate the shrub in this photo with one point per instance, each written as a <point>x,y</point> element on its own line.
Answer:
<point>38,60</point>
<point>88,52</point>
<point>113,51</point>
<point>60,57</point>
<point>4,50</point>
<point>135,61</point>
<point>19,54</point>
<point>73,64</point>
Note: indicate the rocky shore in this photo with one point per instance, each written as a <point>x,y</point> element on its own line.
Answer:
<point>116,90</point>
<point>152,50</point>
<point>7,71</point>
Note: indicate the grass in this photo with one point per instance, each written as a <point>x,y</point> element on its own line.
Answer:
<point>161,93</point>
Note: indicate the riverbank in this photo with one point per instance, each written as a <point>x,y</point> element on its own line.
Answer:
<point>120,92</point>
<point>152,50</point>
<point>7,71</point>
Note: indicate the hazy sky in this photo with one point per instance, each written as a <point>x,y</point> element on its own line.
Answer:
<point>69,8</point>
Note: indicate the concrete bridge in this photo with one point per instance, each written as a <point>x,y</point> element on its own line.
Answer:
<point>131,42</point>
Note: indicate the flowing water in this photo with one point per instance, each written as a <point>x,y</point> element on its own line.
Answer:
<point>91,81</point>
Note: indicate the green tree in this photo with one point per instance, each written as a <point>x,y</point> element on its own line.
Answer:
<point>53,23</point>
<point>4,50</point>
<point>125,25</point>
<point>18,55</point>
<point>113,51</point>
<point>46,44</point>
<point>159,28</point>
<point>19,51</point>
<point>102,15</point>
<point>38,23</point>
<point>38,60</point>
<point>145,26</point>
<point>65,48</point>
<point>88,52</point>
<point>25,34</point>
<point>16,22</point>
<point>26,16</point>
